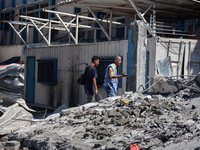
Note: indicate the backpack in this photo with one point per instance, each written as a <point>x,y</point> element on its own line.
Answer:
<point>81,79</point>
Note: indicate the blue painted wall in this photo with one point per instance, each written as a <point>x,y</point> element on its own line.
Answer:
<point>11,33</point>
<point>130,56</point>
<point>35,35</point>
<point>30,81</point>
<point>51,2</point>
<point>2,15</point>
<point>23,34</point>
<point>180,25</point>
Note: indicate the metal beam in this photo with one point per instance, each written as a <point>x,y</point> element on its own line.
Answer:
<point>110,25</point>
<point>140,15</point>
<point>22,29</point>
<point>49,32</point>
<point>53,21</point>
<point>18,34</point>
<point>99,23</point>
<point>44,25</point>
<point>77,24</point>
<point>83,17</point>
<point>148,27</point>
<point>147,10</point>
<point>39,31</point>
<point>27,33</point>
<point>66,27</point>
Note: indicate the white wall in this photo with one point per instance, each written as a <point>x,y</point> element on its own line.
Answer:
<point>7,52</point>
<point>69,56</point>
<point>188,49</point>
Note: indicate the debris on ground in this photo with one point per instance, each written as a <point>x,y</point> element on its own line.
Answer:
<point>152,121</point>
<point>169,85</point>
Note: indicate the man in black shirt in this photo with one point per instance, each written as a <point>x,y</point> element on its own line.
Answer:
<point>90,80</point>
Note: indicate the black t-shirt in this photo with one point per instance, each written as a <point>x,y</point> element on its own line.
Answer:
<point>90,73</point>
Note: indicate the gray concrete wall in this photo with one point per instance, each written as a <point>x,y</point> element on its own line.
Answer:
<point>7,52</point>
<point>69,57</point>
<point>139,38</point>
<point>185,54</point>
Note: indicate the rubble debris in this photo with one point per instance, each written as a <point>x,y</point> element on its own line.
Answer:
<point>7,101</point>
<point>12,145</point>
<point>168,85</point>
<point>14,118</point>
<point>124,101</point>
<point>197,79</point>
<point>151,120</point>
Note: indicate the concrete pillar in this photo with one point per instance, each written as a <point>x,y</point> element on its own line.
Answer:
<point>139,38</point>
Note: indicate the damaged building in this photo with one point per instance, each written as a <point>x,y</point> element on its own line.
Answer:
<point>45,46</point>
<point>59,37</point>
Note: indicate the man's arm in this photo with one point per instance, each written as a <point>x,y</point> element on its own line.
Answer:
<point>95,85</point>
<point>119,76</point>
<point>111,74</point>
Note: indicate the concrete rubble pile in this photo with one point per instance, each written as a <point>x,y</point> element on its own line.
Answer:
<point>153,121</point>
<point>171,85</point>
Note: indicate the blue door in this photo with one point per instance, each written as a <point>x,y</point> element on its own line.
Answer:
<point>30,79</point>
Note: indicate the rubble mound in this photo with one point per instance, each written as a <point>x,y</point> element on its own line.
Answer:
<point>113,123</point>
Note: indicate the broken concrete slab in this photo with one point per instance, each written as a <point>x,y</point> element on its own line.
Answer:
<point>153,120</point>
<point>10,145</point>
<point>170,85</point>
<point>14,118</point>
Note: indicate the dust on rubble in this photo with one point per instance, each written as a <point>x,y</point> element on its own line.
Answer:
<point>153,121</point>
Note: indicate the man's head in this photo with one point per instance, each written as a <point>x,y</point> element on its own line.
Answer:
<point>118,60</point>
<point>95,60</point>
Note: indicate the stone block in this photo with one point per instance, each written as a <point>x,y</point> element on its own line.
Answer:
<point>10,145</point>
<point>65,112</point>
<point>124,101</point>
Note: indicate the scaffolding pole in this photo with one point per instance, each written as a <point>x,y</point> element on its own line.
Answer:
<point>99,24</point>
<point>18,34</point>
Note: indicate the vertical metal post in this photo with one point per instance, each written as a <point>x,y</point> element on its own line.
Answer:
<point>154,20</point>
<point>125,32</point>
<point>169,48</point>
<point>108,37</point>
<point>189,58</point>
<point>49,33</point>
<point>69,38</point>
<point>95,35</point>
<point>77,24</point>
<point>27,33</point>
<point>151,21</point>
<point>110,25</point>
<point>179,59</point>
